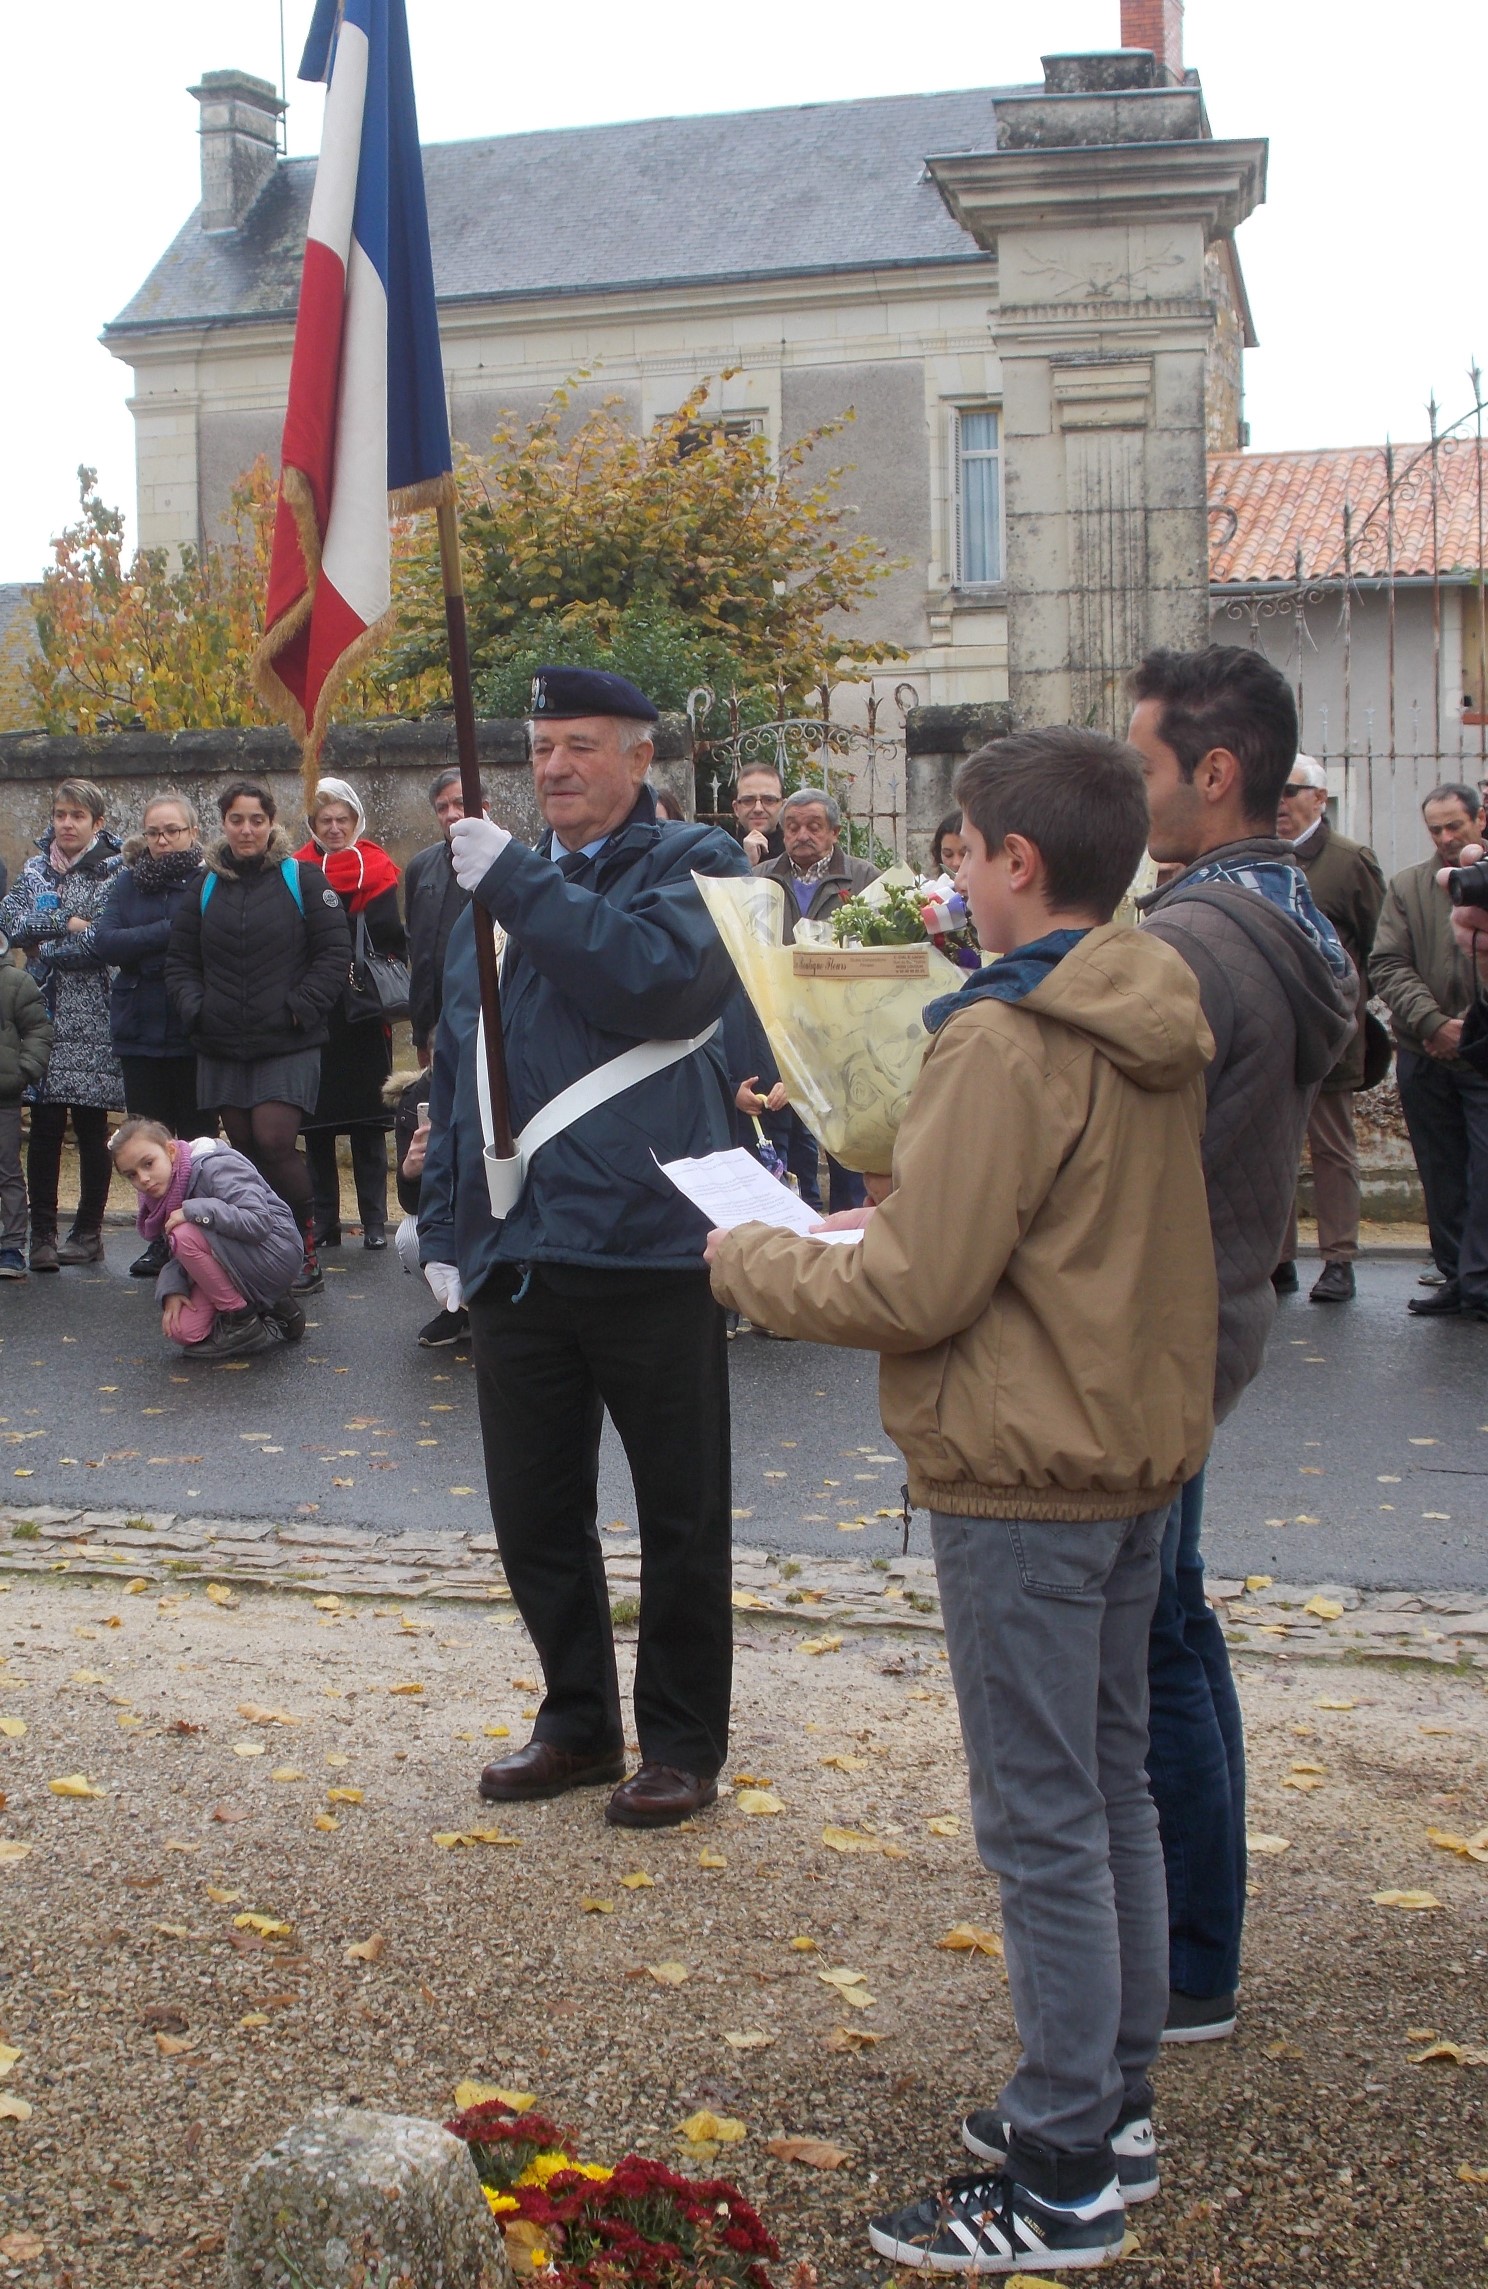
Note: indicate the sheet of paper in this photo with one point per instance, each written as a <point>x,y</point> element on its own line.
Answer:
<point>732,1188</point>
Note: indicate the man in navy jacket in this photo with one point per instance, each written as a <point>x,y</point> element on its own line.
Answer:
<point>592,1294</point>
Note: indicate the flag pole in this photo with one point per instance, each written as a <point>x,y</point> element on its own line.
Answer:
<point>474,802</point>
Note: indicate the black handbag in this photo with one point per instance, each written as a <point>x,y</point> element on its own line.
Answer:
<point>379,986</point>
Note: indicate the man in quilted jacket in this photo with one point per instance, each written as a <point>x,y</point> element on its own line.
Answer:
<point>1217,732</point>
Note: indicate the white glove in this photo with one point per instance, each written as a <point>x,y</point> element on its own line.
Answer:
<point>475,846</point>
<point>444,1285</point>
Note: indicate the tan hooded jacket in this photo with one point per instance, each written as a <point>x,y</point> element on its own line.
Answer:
<point>1040,1282</point>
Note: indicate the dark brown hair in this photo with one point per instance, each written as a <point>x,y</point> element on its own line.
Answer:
<point>1078,796</point>
<point>252,788</point>
<point>1226,696</point>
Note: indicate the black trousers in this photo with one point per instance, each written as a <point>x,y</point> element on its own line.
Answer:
<point>164,1089</point>
<point>44,1166</point>
<point>1446,1117</point>
<point>369,1169</point>
<point>650,1347</point>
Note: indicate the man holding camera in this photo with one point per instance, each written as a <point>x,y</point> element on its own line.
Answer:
<point>1420,969</point>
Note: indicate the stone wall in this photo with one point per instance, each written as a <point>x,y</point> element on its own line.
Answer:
<point>936,741</point>
<point>390,765</point>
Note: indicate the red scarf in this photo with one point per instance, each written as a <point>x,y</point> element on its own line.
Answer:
<point>361,873</point>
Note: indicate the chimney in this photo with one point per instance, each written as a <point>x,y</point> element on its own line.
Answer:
<point>239,144</point>
<point>1158,26</point>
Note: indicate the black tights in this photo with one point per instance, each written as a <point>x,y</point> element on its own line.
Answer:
<point>265,1134</point>
<point>44,1165</point>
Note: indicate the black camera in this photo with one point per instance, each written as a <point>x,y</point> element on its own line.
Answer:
<point>1468,885</point>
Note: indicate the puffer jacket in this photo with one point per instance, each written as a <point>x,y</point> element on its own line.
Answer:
<point>132,934</point>
<point>1280,1015</point>
<point>67,966</point>
<point>251,976</point>
<point>252,1233</point>
<point>603,953</point>
<point>1039,1282</point>
<point>25,1030</point>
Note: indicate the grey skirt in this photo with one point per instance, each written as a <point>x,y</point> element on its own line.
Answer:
<point>243,1082</point>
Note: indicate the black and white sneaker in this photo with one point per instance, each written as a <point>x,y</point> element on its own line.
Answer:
<point>986,2223</point>
<point>1133,2143</point>
<point>444,1328</point>
<point>1199,2018</point>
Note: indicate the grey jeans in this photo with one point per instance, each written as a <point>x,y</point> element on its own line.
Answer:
<point>1046,1627</point>
<point>12,1183</point>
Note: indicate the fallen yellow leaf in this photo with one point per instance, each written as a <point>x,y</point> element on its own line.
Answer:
<point>344,1795</point>
<point>172,2046</point>
<point>597,1907</point>
<point>286,1772</point>
<point>669,1974</point>
<point>249,1748</point>
<point>1335,1704</point>
<point>758,1803</point>
<point>853,1840</point>
<point>254,2019</point>
<point>945,1825</point>
<point>708,1859</point>
<point>220,1594</point>
<point>851,2039</point>
<point>221,1898</point>
<point>267,1926</point>
<point>1258,1581</point>
<point>1324,1609</point>
<point>846,1763</point>
<point>639,1881</point>
<point>449,1839</point>
<point>819,1645</point>
<point>8,2056</point>
<point>171,1931</point>
<point>137,1587</point>
<point>720,2129</point>
<point>971,1939</point>
<point>405,1688</point>
<point>497,1732</point>
<point>12,1850</point>
<point>73,1784</point>
<point>325,1821</point>
<point>747,1602</point>
<point>369,1950</point>
<point>1449,2054</point>
<point>14,1728</point>
<point>469,2094</point>
<point>754,2041</point>
<point>804,1946</point>
<point>1471,2175</point>
<point>1405,1899</point>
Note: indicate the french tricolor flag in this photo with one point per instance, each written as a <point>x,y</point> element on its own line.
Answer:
<point>366,431</point>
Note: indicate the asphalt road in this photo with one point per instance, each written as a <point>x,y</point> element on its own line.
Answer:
<point>1358,1456</point>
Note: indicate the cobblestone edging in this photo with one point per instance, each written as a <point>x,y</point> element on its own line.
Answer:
<point>155,1550</point>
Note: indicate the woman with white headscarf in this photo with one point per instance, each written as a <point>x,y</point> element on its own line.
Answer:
<point>358,1057</point>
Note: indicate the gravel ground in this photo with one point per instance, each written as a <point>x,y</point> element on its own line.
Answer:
<point>161,2046</point>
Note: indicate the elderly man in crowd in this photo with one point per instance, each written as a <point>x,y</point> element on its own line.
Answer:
<point>434,902</point>
<point>1421,971</point>
<point>817,875</point>
<point>1347,885</point>
<point>591,1294</point>
<point>759,792</point>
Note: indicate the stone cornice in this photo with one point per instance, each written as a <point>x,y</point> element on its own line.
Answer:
<point>1214,184</point>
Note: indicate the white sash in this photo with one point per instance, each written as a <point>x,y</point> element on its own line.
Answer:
<point>505,1175</point>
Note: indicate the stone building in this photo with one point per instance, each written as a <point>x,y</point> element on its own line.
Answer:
<point>1029,297</point>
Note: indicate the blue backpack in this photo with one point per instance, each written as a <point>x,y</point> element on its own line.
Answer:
<point>288,867</point>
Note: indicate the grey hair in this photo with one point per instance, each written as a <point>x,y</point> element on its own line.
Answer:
<point>815,795</point>
<point>630,730</point>
<point>449,778</point>
<point>1312,773</point>
<point>183,804</point>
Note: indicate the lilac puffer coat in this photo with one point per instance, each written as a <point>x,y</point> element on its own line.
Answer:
<point>252,1233</point>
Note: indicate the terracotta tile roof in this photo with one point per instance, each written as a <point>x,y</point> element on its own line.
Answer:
<point>1263,507</point>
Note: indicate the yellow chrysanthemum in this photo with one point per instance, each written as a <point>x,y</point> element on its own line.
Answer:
<point>500,2202</point>
<point>542,2167</point>
<point>595,2170</point>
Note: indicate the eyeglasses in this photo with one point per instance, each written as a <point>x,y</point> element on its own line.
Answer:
<point>1304,789</point>
<point>165,834</point>
<point>755,802</point>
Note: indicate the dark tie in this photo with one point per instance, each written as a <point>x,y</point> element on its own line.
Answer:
<point>572,862</point>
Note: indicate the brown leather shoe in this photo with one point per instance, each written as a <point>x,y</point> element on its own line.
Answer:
<point>81,1248</point>
<point>544,1769</point>
<point>658,1796</point>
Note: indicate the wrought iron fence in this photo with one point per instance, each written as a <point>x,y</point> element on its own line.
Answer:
<point>1388,736</point>
<point>858,759</point>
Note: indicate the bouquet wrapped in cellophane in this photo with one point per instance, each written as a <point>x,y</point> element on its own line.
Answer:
<point>844,1021</point>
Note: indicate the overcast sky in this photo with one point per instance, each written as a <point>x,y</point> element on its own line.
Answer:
<point>1365,267</point>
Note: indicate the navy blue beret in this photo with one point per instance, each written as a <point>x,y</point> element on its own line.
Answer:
<point>565,692</point>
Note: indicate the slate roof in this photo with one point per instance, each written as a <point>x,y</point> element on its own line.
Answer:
<point>648,203</point>
<point>1263,507</point>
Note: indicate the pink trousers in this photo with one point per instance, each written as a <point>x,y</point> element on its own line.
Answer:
<point>211,1289</point>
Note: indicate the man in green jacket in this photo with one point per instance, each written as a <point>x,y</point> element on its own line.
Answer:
<point>1419,969</point>
<point>25,1052</point>
<point>1348,886</point>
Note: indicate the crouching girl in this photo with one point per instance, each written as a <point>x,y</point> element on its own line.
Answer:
<point>234,1245</point>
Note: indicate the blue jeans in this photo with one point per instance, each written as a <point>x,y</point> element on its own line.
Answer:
<point>1196,1765</point>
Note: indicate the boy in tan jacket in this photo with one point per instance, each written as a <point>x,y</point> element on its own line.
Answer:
<point>1040,1285</point>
